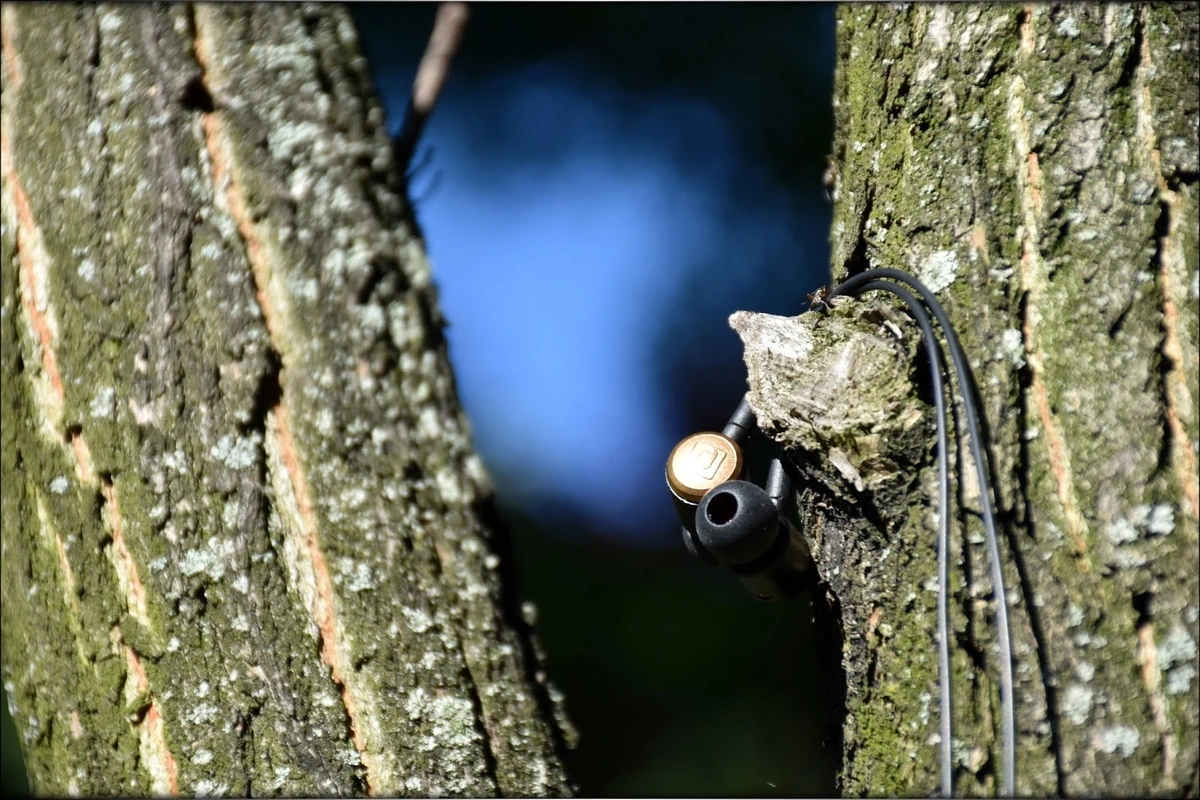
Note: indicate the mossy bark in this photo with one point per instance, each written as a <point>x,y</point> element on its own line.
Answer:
<point>1036,166</point>
<point>247,546</point>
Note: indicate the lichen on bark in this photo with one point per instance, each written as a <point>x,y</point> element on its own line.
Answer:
<point>856,464</point>
<point>1036,166</point>
<point>800,372</point>
<point>247,542</point>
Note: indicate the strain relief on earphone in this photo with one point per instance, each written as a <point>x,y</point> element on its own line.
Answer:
<point>742,423</point>
<point>779,485</point>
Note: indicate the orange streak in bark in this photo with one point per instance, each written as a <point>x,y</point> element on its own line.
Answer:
<point>83,459</point>
<point>163,766</point>
<point>218,153</point>
<point>157,757</point>
<point>1059,458</point>
<point>323,607</point>
<point>27,229</point>
<point>323,611</point>
<point>11,61</point>
<point>153,739</point>
<point>1148,657</point>
<point>126,566</point>
<point>1185,459</point>
<point>1171,263</point>
<point>1028,41</point>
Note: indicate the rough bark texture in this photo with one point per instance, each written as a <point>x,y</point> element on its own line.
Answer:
<point>245,537</point>
<point>1036,166</point>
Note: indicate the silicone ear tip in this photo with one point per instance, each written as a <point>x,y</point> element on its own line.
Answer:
<point>737,522</point>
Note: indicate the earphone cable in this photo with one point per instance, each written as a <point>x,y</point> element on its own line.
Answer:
<point>936,367</point>
<point>849,287</point>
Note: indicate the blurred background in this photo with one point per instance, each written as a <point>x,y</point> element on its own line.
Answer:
<point>599,187</point>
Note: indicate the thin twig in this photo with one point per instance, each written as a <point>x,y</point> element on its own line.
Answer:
<point>447,34</point>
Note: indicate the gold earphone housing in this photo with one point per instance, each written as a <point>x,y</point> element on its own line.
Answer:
<point>698,463</point>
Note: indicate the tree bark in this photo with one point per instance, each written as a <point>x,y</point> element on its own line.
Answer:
<point>247,546</point>
<point>1036,166</point>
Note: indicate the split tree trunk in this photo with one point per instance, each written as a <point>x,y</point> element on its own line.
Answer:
<point>245,541</point>
<point>1036,166</point>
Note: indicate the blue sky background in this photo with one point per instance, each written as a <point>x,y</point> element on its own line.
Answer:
<point>606,184</point>
<point>568,221</point>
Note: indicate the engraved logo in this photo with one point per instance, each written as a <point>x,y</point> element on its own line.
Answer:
<point>706,460</point>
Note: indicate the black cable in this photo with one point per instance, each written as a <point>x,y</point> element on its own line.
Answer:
<point>963,373</point>
<point>742,421</point>
<point>936,367</point>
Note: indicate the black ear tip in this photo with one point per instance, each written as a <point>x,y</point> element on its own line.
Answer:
<point>737,522</point>
<point>722,507</point>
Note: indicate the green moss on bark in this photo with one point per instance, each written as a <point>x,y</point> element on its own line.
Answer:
<point>1036,167</point>
<point>188,564</point>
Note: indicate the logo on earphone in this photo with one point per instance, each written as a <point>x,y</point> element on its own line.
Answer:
<point>706,460</point>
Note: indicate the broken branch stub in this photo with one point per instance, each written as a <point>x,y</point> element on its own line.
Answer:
<point>836,389</point>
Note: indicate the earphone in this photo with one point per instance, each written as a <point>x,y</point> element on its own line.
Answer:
<point>726,521</point>
<point>734,522</point>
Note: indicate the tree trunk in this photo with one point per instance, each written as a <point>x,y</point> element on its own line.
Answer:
<point>1036,166</point>
<point>246,539</point>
